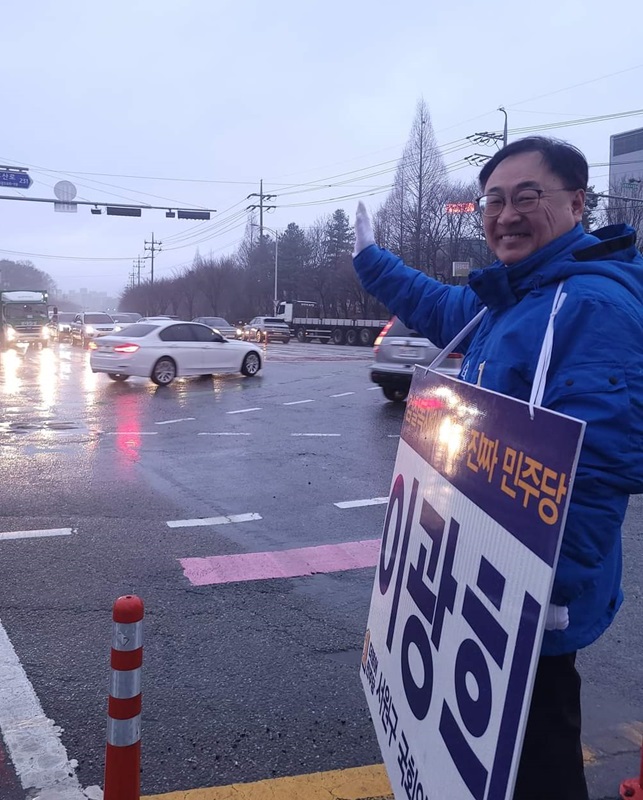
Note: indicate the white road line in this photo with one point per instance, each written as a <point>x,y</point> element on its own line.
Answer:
<point>343,394</point>
<point>315,434</point>
<point>33,740</point>
<point>243,411</point>
<point>132,433</point>
<point>373,389</point>
<point>393,435</point>
<point>195,523</point>
<point>172,421</point>
<point>298,402</point>
<point>221,433</point>
<point>374,501</point>
<point>36,534</point>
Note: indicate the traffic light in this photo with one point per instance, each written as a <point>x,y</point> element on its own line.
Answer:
<point>120,211</point>
<point>189,214</point>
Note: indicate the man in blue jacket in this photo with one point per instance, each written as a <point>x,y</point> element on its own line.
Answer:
<point>532,205</point>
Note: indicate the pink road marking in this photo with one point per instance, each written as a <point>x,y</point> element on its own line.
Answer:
<point>281,563</point>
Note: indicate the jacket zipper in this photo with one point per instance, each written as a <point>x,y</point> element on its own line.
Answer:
<point>481,367</point>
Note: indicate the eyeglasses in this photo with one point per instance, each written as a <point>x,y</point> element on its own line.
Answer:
<point>524,201</point>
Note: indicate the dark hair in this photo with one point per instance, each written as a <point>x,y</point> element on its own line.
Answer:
<point>562,158</point>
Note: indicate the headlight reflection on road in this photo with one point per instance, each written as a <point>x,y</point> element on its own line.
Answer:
<point>90,384</point>
<point>11,362</point>
<point>128,431</point>
<point>48,379</point>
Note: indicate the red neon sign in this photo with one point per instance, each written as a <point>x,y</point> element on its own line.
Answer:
<point>460,208</point>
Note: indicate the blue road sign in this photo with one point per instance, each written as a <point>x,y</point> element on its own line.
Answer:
<point>17,180</point>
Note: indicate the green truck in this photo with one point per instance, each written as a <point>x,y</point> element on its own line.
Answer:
<point>24,317</point>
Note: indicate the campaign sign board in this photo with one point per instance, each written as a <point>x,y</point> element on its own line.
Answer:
<point>476,511</point>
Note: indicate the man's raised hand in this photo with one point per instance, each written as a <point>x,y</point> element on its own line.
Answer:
<point>363,230</point>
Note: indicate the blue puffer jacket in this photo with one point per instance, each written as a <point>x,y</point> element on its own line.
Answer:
<point>596,374</point>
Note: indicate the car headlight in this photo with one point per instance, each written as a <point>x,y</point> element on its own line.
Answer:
<point>46,332</point>
<point>11,333</point>
<point>117,328</point>
<point>239,331</point>
<point>89,329</point>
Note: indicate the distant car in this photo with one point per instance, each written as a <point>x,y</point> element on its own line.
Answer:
<point>61,329</point>
<point>397,350</point>
<point>89,325</point>
<point>165,349</point>
<point>266,329</point>
<point>124,318</point>
<point>220,324</point>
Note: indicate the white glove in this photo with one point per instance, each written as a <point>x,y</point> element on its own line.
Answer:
<point>363,230</point>
<point>557,618</point>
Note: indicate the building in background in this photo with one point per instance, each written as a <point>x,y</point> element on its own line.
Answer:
<point>86,300</point>
<point>626,160</point>
<point>626,181</point>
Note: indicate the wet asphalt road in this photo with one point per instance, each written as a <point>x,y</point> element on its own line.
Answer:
<point>242,681</point>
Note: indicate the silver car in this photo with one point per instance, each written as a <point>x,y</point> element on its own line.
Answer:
<point>220,324</point>
<point>89,325</point>
<point>124,318</point>
<point>397,350</point>
<point>266,329</point>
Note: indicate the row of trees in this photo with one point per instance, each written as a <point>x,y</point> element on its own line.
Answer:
<point>24,275</point>
<point>313,264</point>
<point>426,219</point>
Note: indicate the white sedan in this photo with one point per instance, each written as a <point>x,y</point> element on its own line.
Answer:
<point>164,349</point>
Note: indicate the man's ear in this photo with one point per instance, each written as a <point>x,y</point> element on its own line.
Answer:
<point>578,204</point>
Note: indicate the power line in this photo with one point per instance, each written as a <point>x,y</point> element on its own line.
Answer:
<point>66,258</point>
<point>576,85</point>
<point>575,122</point>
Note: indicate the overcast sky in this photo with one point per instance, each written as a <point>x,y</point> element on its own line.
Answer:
<point>217,94</point>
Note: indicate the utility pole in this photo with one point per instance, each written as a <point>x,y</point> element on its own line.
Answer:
<point>138,265</point>
<point>261,205</point>
<point>153,247</point>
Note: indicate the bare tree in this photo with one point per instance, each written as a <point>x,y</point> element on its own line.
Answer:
<point>464,238</point>
<point>419,189</point>
<point>318,279</point>
<point>626,204</point>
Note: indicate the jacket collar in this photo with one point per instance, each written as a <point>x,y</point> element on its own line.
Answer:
<point>500,286</point>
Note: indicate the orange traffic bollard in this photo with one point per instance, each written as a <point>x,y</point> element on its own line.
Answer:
<point>123,751</point>
<point>632,788</point>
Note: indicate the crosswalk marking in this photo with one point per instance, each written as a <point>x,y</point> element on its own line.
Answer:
<point>373,501</point>
<point>36,534</point>
<point>204,521</point>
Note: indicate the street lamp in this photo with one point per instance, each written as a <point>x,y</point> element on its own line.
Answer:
<point>505,132</point>
<point>276,235</point>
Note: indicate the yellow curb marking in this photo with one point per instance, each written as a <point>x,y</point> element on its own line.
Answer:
<point>358,783</point>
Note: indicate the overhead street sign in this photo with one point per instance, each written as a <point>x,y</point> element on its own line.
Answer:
<point>15,179</point>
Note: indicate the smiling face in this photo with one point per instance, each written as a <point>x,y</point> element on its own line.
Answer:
<point>514,235</point>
